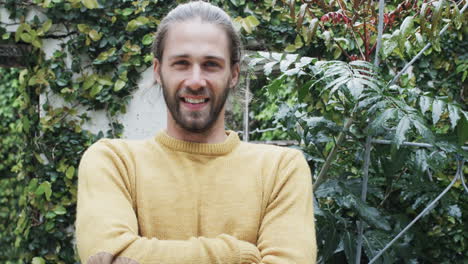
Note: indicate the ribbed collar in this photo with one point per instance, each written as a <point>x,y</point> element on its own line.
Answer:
<point>199,148</point>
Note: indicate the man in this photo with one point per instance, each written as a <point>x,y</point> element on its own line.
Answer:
<point>195,193</point>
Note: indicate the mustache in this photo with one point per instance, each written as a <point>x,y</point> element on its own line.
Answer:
<point>203,91</point>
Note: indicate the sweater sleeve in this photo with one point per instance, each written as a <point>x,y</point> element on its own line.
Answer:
<point>107,230</point>
<point>287,230</point>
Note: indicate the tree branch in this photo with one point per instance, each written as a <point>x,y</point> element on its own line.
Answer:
<point>52,36</point>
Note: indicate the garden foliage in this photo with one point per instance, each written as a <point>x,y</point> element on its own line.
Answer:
<point>316,83</point>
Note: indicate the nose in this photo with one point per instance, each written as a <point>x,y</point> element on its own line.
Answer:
<point>196,79</point>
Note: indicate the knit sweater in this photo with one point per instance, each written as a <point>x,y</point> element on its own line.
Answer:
<point>167,201</point>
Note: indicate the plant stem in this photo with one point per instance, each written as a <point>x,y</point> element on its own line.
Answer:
<point>379,32</point>
<point>365,179</point>
<point>331,156</point>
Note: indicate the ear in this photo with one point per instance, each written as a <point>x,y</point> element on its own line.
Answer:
<point>235,71</point>
<point>156,70</point>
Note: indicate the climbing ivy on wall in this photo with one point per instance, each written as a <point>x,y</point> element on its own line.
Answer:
<point>104,47</point>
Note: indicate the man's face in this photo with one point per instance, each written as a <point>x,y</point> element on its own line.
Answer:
<point>196,74</point>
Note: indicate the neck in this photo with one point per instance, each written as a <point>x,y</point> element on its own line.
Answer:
<point>216,134</point>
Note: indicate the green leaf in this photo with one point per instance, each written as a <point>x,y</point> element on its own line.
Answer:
<point>37,43</point>
<point>39,158</point>
<point>119,84</point>
<point>46,3</point>
<point>422,18</point>
<point>389,43</point>
<point>298,42</point>
<point>276,84</point>
<point>368,101</point>
<point>277,56</point>
<point>407,26</point>
<point>336,51</point>
<point>70,172</point>
<point>316,124</point>
<point>436,18</point>
<point>6,36</point>
<point>369,214</point>
<point>437,109</point>
<point>364,64</point>
<point>148,39</point>
<point>38,260</point>
<point>26,124</point>
<point>90,81</point>
<point>268,68</point>
<point>304,90</point>
<point>237,3</point>
<point>94,35</point>
<point>90,4</point>
<point>135,23</point>
<point>330,243</point>
<point>60,210</point>
<point>96,90</point>
<point>26,37</point>
<point>402,128</point>
<point>45,188</point>
<point>312,29</point>
<point>50,215</point>
<point>408,47</point>
<point>382,119</point>
<point>46,26</point>
<point>290,59</point>
<point>264,54</point>
<point>290,48</point>
<point>458,17</point>
<point>421,160</point>
<point>252,21</point>
<point>83,28</point>
<point>425,103</point>
<point>419,39</point>
<point>103,56</point>
<point>462,135</point>
<point>349,244</point>
<point>423,130</point>
<point>105,80</point>
<point>373,242</point>
<point>336,84</point>
<point>19,32</point>
<point>355,87</point>
<point>127,11</point>
<point>253,62</point>
<point>453,115</point>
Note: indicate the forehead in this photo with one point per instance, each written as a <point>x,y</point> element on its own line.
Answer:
<point>195,38</point>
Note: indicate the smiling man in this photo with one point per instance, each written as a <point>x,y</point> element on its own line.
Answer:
<point>194,193</point>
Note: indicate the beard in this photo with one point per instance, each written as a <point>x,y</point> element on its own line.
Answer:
<point>195,121</point>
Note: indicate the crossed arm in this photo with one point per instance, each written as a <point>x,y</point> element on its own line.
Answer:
<point>108,234</point>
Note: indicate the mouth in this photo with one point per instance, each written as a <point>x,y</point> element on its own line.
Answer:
<point>194,102</point>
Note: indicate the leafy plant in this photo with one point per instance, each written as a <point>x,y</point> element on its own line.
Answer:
<point>337,105</point>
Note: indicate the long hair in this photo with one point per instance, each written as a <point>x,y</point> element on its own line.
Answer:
<point>207,13</point>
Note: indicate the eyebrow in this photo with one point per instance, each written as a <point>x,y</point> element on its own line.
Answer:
<point>210,57</point>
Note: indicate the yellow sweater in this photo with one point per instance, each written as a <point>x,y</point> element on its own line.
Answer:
<point>166,201</point>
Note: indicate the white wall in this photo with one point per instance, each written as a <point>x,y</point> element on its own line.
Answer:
<point>146,112</point>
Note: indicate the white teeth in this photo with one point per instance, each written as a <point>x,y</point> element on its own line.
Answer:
<point>194,101</point>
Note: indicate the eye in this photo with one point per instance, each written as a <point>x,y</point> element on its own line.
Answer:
<point>180,63</point>
<point>212,64</point>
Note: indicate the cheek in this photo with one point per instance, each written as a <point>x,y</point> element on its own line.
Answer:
<point>170,79</point>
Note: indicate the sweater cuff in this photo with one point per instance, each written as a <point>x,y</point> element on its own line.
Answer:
<point>249,253</point>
